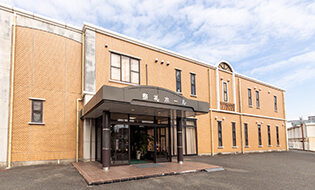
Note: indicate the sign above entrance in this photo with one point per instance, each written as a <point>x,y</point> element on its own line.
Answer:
<point>112,98</point>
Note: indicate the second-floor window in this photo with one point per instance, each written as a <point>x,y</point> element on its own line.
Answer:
<point>37,111</point>
<point>257,99</point>
<point>275,100</point>
<point>125,69</point>
<point>225,92</point>
<point>178,81</point>
<point>193,83</point>
<point>250,97</point>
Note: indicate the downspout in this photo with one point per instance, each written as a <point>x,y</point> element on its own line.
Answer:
<point>211,122</point>
<point>11,92</point>
<point>80,99</point>
<point>285,126</point>
<point>241,114</point>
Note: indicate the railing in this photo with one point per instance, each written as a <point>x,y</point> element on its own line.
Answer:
<point>227,106</point>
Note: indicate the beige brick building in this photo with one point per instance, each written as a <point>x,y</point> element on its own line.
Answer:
<point>92,94</point>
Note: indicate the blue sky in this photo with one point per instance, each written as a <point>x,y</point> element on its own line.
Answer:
<point>270,40</point>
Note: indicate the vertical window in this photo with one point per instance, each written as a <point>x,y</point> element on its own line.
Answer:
<point>124,68</point>
<point>277,131</point>
<point>37,111</point>
<point>190,134</point>
<point>225,92</point>
<point>193,83</point>
<point>178,81</point>
<point>220,134</point>
<point>249,97</point>
<point>257,99</point>
<point>246,134</point>
<point>269,138</point>
<point>259,135</point>
<point>275,99</point>
<point>233,134</point>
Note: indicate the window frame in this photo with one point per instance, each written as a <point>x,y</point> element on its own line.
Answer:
<point>275,103</point>
<point>259,136</point>
<point>277,135</point>
<point>246,134</point>
<point>269,135</point>
<point>121,68</point>
<point>225,92</point>
<point>220,137</point>
<point>250,99</point>
<point>234,134</point>
<point>41,111</point>
<point>257,99</point>
<point>178,82</point>
<point>193,86</point>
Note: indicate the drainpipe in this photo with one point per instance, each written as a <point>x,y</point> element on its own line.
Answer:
<point>80,99</point>
<point>241,114</point>
<point>11,92</point>
<point>211,122</point>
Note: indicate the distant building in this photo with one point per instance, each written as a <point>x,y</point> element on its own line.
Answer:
<point>296,136</point>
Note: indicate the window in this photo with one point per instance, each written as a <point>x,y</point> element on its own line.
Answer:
<point>275,99</point>
<point>190,133</point>
<point>37,111</point>
<point>257,99</point>
<point>225,92</point>
<point>233,134</point>
<point>277,130</point>
<point>125,69</point>
<point>220,134</point>
<point>269,139</point>
<point>193,83</point>
<point>246,134</point>
<point>250,97</point>
<point>259,135</point>
<point>178,81</point>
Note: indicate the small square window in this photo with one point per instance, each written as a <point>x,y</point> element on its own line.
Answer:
<point>37,111</point>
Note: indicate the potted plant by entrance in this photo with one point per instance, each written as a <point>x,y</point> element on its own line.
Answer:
<point>144,142</point>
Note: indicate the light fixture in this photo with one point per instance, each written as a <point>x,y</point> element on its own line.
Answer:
<point>256,122</point>
<point>132,109</point>
<point>216,117</point>
<point>168,63</point>
<point>156,60</point>
<point>162,61</point>
<point>255,87</point>
<point>269,92</point>
<point>106,45</point>
<point>228,80</point>
<point>221,78</point>
<point>261,122</point>
<point>259,89</point>
<point>223,118</point>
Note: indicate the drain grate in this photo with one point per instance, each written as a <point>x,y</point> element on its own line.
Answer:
<point>151,165</point>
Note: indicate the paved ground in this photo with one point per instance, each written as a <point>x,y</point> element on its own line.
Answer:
<point>278,170</point>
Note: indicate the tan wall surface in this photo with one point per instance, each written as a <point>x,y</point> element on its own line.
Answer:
<point>47,66</point>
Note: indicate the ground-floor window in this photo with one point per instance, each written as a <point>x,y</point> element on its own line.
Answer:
<point>220,134</point>
<point>246,134</point>
<point>277,131</point>
<point>234,134</point>
<point>269,139</point>
<point>189,137</point>
<point>259,135</point>
<point>119,144</point>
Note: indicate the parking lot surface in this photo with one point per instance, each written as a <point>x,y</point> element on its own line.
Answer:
<point>274,170</point>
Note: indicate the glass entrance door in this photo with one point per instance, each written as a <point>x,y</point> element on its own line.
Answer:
<point>161,143</point>
<point>120,144</point>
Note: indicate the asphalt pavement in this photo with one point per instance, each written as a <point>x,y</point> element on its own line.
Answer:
<point>273,170</point>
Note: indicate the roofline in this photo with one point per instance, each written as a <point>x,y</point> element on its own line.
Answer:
<point>144,44</point>
<point>38,17</point>
<point>95,28</point>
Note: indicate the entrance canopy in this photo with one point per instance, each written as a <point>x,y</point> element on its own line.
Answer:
<point>142,100</point>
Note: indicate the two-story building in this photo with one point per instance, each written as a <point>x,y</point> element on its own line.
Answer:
<point>90,94</point>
